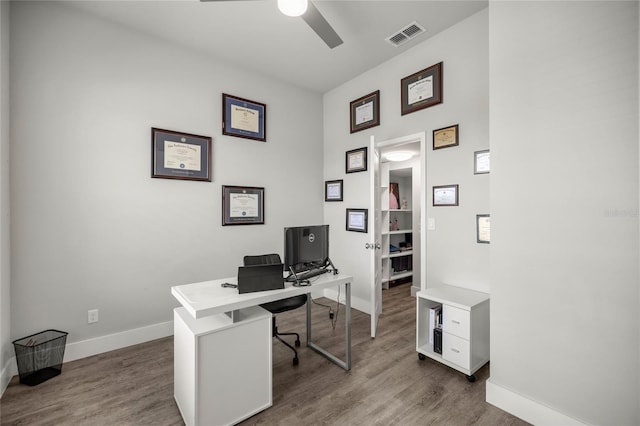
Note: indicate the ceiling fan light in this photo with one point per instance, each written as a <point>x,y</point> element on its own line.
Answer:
<point>399,155</point>
<point>292,7</point>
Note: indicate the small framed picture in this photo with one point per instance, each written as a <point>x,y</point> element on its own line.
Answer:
<point>421,89</point>
<point>445,195</point>
<point>445,137</point>
<point>357,220</point>
<point>333,190</point>
<point>244,118</point>
<point>177,155</point>
<point>365,112</point>
<point>481,162</point>
<point>242,205</point>
<point>356,160</point>
<point>483,228</point>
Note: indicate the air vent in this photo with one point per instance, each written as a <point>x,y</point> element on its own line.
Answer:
<point>407,33</point>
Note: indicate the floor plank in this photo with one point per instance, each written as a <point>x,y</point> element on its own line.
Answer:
<point>387,384</point>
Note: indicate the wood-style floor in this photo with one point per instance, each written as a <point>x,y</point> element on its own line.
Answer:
<point>387,384</point>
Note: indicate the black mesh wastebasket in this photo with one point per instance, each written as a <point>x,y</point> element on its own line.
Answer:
<point>39,356</point>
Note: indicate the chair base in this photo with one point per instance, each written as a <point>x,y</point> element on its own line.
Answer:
<point>277,335</point>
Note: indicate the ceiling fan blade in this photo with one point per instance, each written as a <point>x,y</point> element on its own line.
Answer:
<point>316,21</point>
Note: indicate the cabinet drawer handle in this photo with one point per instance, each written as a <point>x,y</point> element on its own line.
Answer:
<point>455,322</point>
<point>455,350</point>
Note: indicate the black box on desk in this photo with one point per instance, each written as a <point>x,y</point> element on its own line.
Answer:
<point>437,340</point>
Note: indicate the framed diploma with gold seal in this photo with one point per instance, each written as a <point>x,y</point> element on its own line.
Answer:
<point>244,118</point>
<point>242,205</point>
<point>177,155</point>
<point>445,137</point>
<point>421,89</point>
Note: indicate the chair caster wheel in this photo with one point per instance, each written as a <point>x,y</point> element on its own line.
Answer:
<point>295,361</point>
<point>422,357</point>
<point>298,343</point>
<point>471,378</point>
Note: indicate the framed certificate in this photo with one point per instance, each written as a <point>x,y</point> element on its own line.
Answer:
<point>242,205</point>
<point>483,228</point>
<point>333,190</point>
<point>176,155</point>
<point>445,195</point>
<point>445,137</point>
<point>421,89</point>
<point>356,160</point>
<point>244,118</point>
<point>481,162</point>
<point>357,220</point>
<point>365,112</point>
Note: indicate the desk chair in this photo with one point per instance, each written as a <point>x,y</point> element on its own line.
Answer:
<point>279,306</point>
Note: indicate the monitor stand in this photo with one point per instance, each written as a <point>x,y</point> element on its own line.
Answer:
<point>301,279</point>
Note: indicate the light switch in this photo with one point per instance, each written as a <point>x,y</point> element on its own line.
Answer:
<point>431,223</point>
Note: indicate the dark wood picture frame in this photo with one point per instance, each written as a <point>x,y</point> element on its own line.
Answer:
<point>242,205</point>
<point>179,155</point>
<point>356,160</point>
<point>446,137</point>
<point>364,112</point>
<point>422,89</point>
<point>248,117</point>
<point>333,190</point>
<point>357,220</point>
<point>445,195</point>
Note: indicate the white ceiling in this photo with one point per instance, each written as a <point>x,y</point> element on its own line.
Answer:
<point>255,35</point>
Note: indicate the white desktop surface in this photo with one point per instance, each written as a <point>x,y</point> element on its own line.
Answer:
<point>209,297</point>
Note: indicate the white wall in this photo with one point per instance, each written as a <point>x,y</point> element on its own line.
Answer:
<point>91,229</point>
<point>564,204</point>
<point>453,256</point>
<point>6,348</point>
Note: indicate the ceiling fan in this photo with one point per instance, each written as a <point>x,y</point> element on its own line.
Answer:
<point>311,16</point>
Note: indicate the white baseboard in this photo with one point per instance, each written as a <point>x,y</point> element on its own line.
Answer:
<point>5,376</point>
<point>98,345</point>
<point>356,303</point>
<point>528,410</point>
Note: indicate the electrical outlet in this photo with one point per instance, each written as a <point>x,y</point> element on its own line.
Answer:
<point>92,316</point>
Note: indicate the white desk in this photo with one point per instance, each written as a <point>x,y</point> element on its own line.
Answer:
<point>212,310</point>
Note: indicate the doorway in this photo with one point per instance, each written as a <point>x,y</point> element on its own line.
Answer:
<point>399,203</point>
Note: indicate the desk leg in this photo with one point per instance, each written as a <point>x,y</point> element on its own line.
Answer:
<point>346,364</point>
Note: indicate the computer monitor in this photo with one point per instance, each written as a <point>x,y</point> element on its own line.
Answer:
<point>306,248</point>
